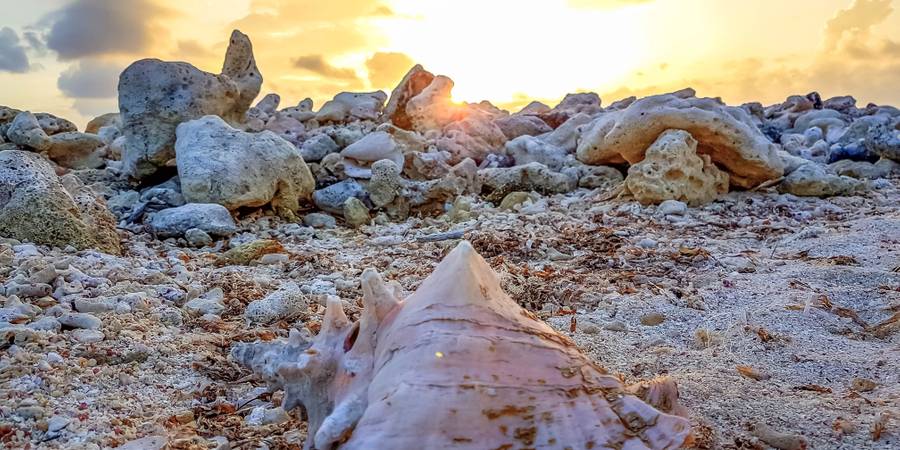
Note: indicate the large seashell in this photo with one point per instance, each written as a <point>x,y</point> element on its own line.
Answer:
<point>458,364</point>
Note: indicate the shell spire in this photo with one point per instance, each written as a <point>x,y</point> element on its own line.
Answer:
<point>463,277</point>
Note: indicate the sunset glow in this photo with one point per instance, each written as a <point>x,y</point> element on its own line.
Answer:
<point>506,51</point>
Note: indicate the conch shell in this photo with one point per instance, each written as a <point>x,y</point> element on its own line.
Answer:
<point>456,365</point>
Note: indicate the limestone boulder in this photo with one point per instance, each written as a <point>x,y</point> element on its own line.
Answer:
<point>473,137</point>
<point>672,170</point>
<point>25,130</point>
<point>156,96</point>
<point>433,108</point>
<point>36,206</point>
<point>812,180</point>
<point>726,134</point>
<point>220,164</point>
<point>76,150</point>
<point>103,120</point>
<point>412,84</point>
<point>522,125</point>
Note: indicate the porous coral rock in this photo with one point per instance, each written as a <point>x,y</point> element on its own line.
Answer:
<point>219,164</point>
<point>458,330</point>
<point>672,170</point>
<point>726,134</point>
<point>156,96</point>
<point>36,206</point>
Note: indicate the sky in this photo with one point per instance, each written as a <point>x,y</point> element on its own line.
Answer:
<point>65,56</point>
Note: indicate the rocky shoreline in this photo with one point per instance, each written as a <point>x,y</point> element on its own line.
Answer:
<point>750,253</point>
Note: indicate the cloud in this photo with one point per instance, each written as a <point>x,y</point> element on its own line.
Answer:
<point>190,50</point>
<point>856,21</point>
<point>90,79</point>
<point>387,68</point>
<point>12,53</point>
<point>318,65</point>
<point>87,28</point>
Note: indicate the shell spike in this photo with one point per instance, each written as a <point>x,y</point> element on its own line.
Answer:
<point>335,319</point>
<point>378,296</point>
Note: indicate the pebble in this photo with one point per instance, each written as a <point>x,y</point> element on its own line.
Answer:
<point>652,319</point>
<point>672,208</point>
<point>30,412</point>
<point>274,258</point>
<point>87,336</point>
<point>647,243</point>
<point>57,423</point>
<point>320,220</point>
<point>80,320</point>
<point>196,237</point>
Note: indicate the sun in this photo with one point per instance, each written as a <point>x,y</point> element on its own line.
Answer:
<point>503,51</point>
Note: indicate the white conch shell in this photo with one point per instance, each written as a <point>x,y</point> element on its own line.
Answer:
<point>459,365</point>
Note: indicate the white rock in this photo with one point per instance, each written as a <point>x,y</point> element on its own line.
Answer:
<point>348,106</point>
<point>219,164</point>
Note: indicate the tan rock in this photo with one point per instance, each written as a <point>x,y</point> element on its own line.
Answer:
<point>726,134</point>
<point>672,170</point>
<point>433,109</point>
<point>412,84</point>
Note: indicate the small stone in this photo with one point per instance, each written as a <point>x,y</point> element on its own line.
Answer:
<point>320,220</point>
<point>647,243</point>
<point>652,319</point>
<point>88,336</point>
<point>317,147</point>
<point>355,212</point>
<point>203,306</point>
<point>863,385</point>
<point>208,217</point>
<point>246,253</point>
<point>284,304</point>
<point>80,321</point>
<point>57,423</point>
<point>672,208</point>
<point>331,199</point>
<point>265,416</point>
<point>514,199</point>
<point>30,412</point>
<point>274,258</point>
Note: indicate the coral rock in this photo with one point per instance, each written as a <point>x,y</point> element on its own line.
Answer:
<point>36,206</point>
<point>156,96</point>
<point>76,150</point>
<point>672,170</point>
<point>458,364</point>
<point>412,84</point>
<point>219,164</point>
<point>726,134</point>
